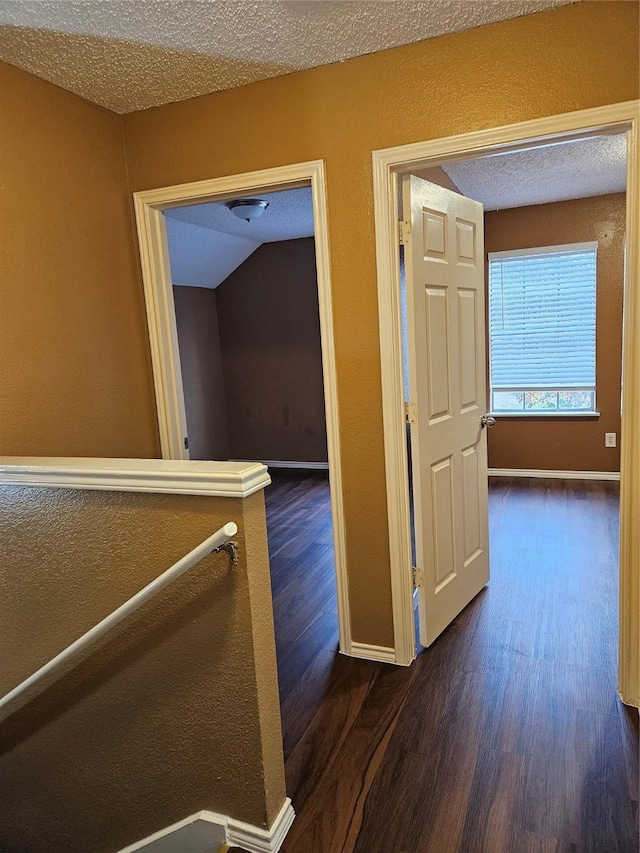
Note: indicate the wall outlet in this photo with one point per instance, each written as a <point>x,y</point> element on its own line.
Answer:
<point>609,439</point>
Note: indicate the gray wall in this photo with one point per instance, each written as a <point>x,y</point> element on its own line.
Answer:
<point>255,342</point>
<point>202,375</point>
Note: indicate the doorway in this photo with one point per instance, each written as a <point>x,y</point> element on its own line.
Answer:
<point>150,209</point>
<point>387,166</point>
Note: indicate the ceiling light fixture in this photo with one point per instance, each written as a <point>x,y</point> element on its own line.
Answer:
<point>247,208</point>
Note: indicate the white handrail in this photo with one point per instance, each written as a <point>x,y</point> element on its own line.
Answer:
<point>218,539</point>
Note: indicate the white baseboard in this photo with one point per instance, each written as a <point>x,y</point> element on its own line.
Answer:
<point>206,831</point>
<point>301,466</point>
<point>382,654</point>
<point>257,840</point>
<point>554,475</point>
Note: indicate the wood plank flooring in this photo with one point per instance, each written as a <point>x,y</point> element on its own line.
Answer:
<point>506,736</point>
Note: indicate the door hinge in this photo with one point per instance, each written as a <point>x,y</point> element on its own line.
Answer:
<point>186,442</point>
<point>410,413</point>
<point>404,231</point>
<point>418,578</point>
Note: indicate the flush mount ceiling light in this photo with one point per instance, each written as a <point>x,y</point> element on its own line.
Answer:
<point>247,208</point>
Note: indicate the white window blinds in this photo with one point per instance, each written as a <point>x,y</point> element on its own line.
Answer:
<point>542,328</point>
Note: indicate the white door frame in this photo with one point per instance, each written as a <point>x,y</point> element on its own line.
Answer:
<point>163,337</point>
<point>387,164</point>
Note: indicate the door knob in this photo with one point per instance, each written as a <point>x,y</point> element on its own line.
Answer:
<point>487,421</point>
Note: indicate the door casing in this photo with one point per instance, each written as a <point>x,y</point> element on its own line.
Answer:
<point>161,319</point>
<point>387,164</point>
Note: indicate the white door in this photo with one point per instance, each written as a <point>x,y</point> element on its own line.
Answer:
<point>444,267</point>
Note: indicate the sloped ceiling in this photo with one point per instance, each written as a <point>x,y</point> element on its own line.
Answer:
<point>129,55</point>
<point>207,242</point>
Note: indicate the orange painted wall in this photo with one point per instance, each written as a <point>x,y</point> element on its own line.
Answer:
<point>569,444</point>
<point>75,374</point>
<point>578,56</point>
<point>174,710</point>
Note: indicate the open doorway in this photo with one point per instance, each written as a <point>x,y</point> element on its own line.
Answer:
<point>246,302</point>
<point>620,118</point>
<point>302,503</point>
<point>542,637</point>
<point>553,220</point>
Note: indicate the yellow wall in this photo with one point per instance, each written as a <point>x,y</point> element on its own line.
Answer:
<point>175,711</point>
<point>575,57</point>
<point>75,375</point>
<point>74,368</point>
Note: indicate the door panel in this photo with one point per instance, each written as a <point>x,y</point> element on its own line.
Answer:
<point>445,303</point>
<point>438,345</point>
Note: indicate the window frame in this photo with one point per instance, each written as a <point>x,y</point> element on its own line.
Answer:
<point>561,248</point>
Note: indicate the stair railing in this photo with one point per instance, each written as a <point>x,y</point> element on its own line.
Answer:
<point>219,541</point>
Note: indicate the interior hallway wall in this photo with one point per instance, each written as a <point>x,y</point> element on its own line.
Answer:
<point>272,355</point>
<point>570,58</point>
<point>75,372</point>
<point>202,376</point>
<point>175,710</point>
<point>75,369</point>
<point>571,443</point>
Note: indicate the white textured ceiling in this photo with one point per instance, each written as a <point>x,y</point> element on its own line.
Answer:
<point>207,242</point>
<point>288,217</point>
<point>128,55</point>
<point>581,169</point>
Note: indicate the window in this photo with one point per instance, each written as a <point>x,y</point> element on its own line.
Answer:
<point>542,330</point>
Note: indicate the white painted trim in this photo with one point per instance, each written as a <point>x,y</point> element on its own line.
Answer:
<point>387,163</point>
<point>173,836</point>
<point>163,476</point>
<point>393,412</point>
<point>382,654</point>
<point>257,840</point>
<point>223,830</point>
<point>298,466</point>
<point>629,656</point>
<point>544,250</point>
<point>163,331</point>
<point>554,475</point>
<point>537,415</point>
<point>149,206</point>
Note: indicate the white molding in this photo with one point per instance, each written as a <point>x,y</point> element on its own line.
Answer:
<point>178,838</point>
<point>554,475</point>
<point>541,414</point>
<point>544,250</point>
<point>161,476</point>
<point>163,330</point>
<point>298,466</point>
<point>387,163</point>
<point>393,413</point>
<point>629,656</point>
<point>382,654</point>
<point>612,118</point>
<point>257,840</point>
<point>206,830</point>
<point>149,206</point>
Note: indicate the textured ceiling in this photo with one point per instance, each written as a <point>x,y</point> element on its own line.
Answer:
<point>207,242</point>
<point>289,216</point>
<point>132,54</point>
<point>558,172</point>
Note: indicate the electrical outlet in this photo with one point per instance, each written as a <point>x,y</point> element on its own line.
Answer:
<point>609,439</point>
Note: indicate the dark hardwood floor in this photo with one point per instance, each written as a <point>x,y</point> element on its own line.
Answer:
<point>506,736</point>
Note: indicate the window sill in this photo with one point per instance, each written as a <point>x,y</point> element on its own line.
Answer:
<point>535,415</point>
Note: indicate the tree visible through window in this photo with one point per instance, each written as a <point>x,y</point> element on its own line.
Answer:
<point>542,330</point>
